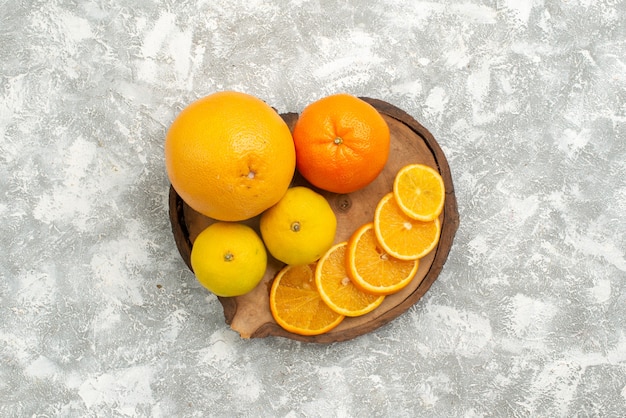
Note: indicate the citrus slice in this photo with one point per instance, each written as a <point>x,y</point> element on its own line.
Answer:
<point>296,304</point>
<point>401,236</point>
<point>336,288</point>
<point>372,269</point>
<point>419,191</point>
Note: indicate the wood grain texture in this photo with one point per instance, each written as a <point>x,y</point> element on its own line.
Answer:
<point>249,314</point>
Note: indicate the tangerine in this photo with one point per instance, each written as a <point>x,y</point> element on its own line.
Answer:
<point>221,153</point>
<point>228,258</point>
<point>342,143</point>
<point>300,228</point>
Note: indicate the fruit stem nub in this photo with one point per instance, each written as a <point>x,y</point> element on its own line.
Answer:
<point>338,140</point>
<point>229,256</point>
<point>295,227</point>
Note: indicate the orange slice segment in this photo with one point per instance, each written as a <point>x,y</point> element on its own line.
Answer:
<point>401,236</point>
<point>419,191</point>
<point>296,304</point>
<point>372,269</point>
<point>336,288</point>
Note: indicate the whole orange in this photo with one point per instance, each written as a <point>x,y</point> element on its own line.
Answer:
<point>342,143</point>
<point>229,156</point>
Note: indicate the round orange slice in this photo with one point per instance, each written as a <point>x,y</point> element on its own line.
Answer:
<point>419,191</point>
<point>337,290</point>
<point>296,304</point>
<point>401,236</point>
<point>372,269</point>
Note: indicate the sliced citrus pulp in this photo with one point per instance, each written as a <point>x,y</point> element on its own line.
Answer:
<point>296,304</point>
<point>401,236</point>
<point>372,269</point>
<point>419,191</point>
<point>337,290</point>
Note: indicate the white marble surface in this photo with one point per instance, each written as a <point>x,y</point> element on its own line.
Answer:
<point>100,317</point>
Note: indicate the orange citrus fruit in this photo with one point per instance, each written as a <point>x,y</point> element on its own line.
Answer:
<point>296,305</point>
<point>401,236</point>
<point>228,258</point>
<point>336,288</point>
<point>342,143</point>
<point>372,269</point>
<point>419,191</point>
<point>221,153</point>
<point>300,228</point>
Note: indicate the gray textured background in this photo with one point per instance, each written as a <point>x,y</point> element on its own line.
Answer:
<point>100,317</point>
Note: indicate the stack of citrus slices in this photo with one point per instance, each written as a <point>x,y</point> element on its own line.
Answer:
<point>381,258</point>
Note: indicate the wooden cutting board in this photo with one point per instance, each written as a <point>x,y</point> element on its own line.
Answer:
<point>250,315</point>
